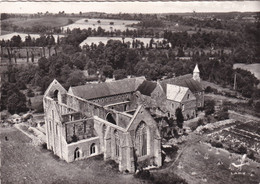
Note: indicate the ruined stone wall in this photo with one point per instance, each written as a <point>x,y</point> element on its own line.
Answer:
<point>71,116</point>
<point>84,148</point>
<point>79,130</point>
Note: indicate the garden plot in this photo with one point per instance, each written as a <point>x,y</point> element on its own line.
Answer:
<point>201,163</point>
<point>240,138</point>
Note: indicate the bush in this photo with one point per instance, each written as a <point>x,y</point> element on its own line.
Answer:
<point>21,85</point>
<point>210,90</point>
<point>144,174</point>
<point>44,145</point>
<point>163,178</point>
<point>216,144</point>
<point>30,93</point>
<point>242,150</point>
<point>222,114</point>
<point>251,155</point>
<point>113,164</point>
<point>209,107</point>
<point>146,162</point>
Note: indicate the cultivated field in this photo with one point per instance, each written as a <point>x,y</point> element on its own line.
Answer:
<point>42,21</point>
<point>103,23</point>
<point>22,162</point>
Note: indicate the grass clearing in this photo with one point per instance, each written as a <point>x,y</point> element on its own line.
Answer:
<point>24,163</point>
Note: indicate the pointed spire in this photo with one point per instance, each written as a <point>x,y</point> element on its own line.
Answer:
<point>196,73</point>
<point>196,69</point>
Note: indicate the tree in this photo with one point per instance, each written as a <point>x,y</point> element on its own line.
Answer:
<point>30,93</point>
<point>75,78</point>
<point>179,117</point>
<point>16,41</point>
<point>120,74</point>
<point>209,107</point>
<point>108,71</point>
<point>16,103</point>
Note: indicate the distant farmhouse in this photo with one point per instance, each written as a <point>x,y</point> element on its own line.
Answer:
<point>114,118</point>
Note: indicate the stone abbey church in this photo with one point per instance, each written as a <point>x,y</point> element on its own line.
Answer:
<point>115,118</point>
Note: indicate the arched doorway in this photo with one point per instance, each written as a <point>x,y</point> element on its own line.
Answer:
<point>76,153</point>
<point>110,119</point>
<point>141,139</point>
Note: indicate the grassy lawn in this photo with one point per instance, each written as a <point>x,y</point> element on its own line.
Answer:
<point>24,163</point>
<point>42,21</point>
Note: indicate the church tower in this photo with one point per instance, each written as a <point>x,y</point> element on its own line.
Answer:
<point>196,73</point>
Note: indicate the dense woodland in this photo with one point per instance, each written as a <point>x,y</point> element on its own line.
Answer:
<point>117,59</point>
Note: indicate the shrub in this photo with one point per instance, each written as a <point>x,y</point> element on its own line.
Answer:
<point>144,174</point>
<point>21,85</point>
<point>30,93</point>
<point>205,130</point>
<point>209,107</point>
<point>44,145</point>
<point>113,164</point>
<point>216,144</point>
<point>162,178</point>
<point>242,150</point>
<point>251,155</point>
<point>222,114</point>
<point>146,162</point>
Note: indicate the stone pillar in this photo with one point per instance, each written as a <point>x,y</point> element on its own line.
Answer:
<point>107,151</point>
<point>157,152</point>
<point>121,158</point>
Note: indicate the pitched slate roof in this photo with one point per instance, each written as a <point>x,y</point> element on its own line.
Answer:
<point>184,81</point>
<point>92,91</point>
<point>147,87</point>
<point>176,93</point>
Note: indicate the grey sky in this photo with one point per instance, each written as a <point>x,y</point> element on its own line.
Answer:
<point>130,7</point>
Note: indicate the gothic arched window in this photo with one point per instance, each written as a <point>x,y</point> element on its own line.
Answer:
<point>93,148</point>
<point>141,139</point>
<point>55,95</point>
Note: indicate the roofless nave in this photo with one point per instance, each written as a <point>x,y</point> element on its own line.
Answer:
<point>114,118</point>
